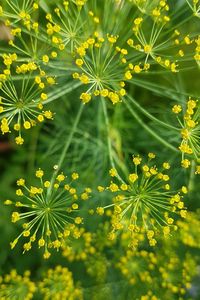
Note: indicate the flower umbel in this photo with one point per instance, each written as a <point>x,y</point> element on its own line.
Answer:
<point>59,283</point>
<point>190,131</point>
<point>47,210</point>
<point>15,286</point>
<point>144,201</point>
<point>21,105</point>
<point>102,68</point>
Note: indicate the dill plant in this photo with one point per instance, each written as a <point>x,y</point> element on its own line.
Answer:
<point>144,201</point>
<point>59,283</point>
<point>14,286</point>
<point>50,207</point>
<point>84,84</point>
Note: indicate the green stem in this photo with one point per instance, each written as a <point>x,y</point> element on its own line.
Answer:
<point>192,175</point>
<point>150,116</point>
<point>160,89</point>
<point>33,149</point>
<point>108,138</point>
<point>61,92</point>
<point>148,129</point>
<point>68,141</point>
<point>66,146</point>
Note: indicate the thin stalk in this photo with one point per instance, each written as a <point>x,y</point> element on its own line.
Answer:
<point>68,142</point>
<point>150,116</point>
<point>62,91</point>
<point>192,176</point>
<point>66,146</point>
<point>148,129</point>
<point>108,138</point>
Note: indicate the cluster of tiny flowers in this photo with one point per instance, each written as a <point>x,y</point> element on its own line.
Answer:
<point>197,51</point>
<point>154,47</point>
<point>147,269</point>
<point>19,13</point>
<point>155,8</point>
<point>21,105</point>
<point>80,247</point>
<point>47,210</point>
<point>58,37</point>
<point>102,67</point>
<point>190,130</point>
<point>65,27</point>
<point>144,202</point>
<point>97,267</point>
<point>14,286</point>
<point>189,232</point>
<point>151,47</point>
<point>27,36</point>
<point>89,250</point>
<point>106,48</point>
<point>136,263</point>
<point>58,284</point>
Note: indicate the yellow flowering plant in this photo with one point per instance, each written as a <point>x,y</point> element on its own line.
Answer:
<point>84,85</point>
<point>144,201</point>
<point>50,207</point>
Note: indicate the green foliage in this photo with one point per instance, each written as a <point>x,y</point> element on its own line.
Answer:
<point>89,91</point>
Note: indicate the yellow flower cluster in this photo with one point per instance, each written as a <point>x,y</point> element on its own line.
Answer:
<point>189,232</point>
<point>151,47</point>
<point>156,9</point>
<point>197,51</point>
<point>21,106</point>
<point>147,269</point>
<point>65,27</point>
<point>47,210</point>
<point>144,202</point>
<point>15,286</point>
<point>102,67</point>
<point>80,247</point>
<point>190,131</point>
<point>110,47</point>
<point>59,284</point>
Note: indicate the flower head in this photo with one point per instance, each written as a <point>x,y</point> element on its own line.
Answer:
<point>189,232</point>
<point>80,247</point>
<point>59,282</point>
<point>15,286</point>
<point>21,104</point>
<point>144,203</point>
<point>65,27</point>
<point>101,68</point>
<point>190,130</point>
<point>47,209</point>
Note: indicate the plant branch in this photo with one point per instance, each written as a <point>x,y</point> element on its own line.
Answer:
<point>148,129</point>
<point>150,116</point>
<point>66,145</point>
<point>62,91</point>
<point>108,138</point>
